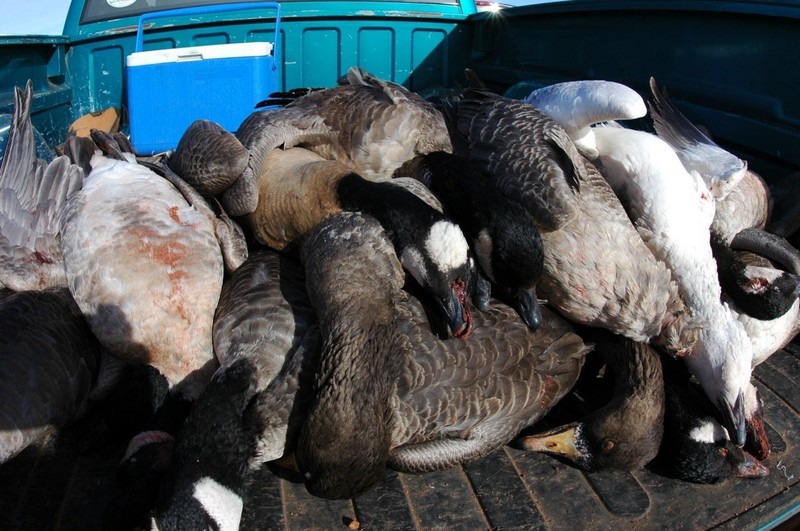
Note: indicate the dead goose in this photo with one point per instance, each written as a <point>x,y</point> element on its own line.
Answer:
<point>625,434</point>
<point>597,270</point>
<point>298,189</point>
<point>370,125</point>
<point>502,234</point>
<point>32,193</point>
<point>145,268</point>
<point>410,409</point>
<point>656,189</point>
<point>264,331</point>
<point>673,211</point>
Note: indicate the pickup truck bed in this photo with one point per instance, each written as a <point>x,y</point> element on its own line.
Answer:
<point>729,66</point>
<point>71,483</point>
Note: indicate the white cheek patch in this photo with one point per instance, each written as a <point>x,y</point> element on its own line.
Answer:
<point>221,504</point>
<point>446,246</point>
<point>483,250</point>
<point>709,432</point>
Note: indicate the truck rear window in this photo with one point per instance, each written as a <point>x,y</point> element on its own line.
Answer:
<point>99,10</point>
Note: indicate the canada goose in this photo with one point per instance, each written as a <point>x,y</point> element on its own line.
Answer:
<point>49,362</point>
<point>264,330</point>
<point>32,193</point>
<point>625,434</point>
<point>597,270</point>
<point>145,268</point>
<point>298,189</point>
<point>389,391</point>
<point>370,125</point>
<point>502,234</point>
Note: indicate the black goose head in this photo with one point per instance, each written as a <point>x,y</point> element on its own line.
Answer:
<point>626,433</point>
<point>696,447</point>
<point>503,235</point>
<point>755,287</point>
<point>510,253</point>
<point>431,248</point>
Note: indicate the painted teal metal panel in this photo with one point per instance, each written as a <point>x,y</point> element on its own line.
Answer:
<point>102,87</point>
<point>320,56</point>
<point>376,50</point>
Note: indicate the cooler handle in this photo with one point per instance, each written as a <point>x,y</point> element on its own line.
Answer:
<point>216,8</point>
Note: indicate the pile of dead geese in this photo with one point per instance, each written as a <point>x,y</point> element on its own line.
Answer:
<point>359,278</point>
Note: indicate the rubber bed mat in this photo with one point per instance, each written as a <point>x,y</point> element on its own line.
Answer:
<point>68,484</point>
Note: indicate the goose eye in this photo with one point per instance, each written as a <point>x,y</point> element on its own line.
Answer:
<point>608,445</point>
<point>723,452</point>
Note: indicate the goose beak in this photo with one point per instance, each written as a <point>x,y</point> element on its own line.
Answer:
<point>289,462</point>
<point>734,419</point>
<point>457,311</point>
<point>529,309</point>
<point>751,468</point>
<point>560,441</point>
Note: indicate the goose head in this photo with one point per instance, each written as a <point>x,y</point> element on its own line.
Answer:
<point>625,434</point>
<point>431,248</point>
<point>721,361</point>
<point>707,455</point>
<point>753,284</point>
<point>502,234</point>
<point>440,264</point>
<point>696,447</point>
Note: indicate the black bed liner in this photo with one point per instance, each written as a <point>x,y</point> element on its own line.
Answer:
<point>68,484</point>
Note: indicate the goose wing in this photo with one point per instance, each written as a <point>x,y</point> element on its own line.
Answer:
<point>529,155</point>
<point>721,170</point>
<point>478,393</point>
<point>32,195</point>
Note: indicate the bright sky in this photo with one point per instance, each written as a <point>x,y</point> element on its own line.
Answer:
<point>39,17</point>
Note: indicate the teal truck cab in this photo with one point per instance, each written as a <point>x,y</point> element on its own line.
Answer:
<point>731,66</point>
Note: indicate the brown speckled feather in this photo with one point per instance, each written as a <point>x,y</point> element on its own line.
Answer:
<point>483,390</point>
<point>597,269</point>
<point>746,206</point>
<point>372,127</point>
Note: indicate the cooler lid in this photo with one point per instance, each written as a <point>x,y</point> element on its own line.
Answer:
<point>200,53</point>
